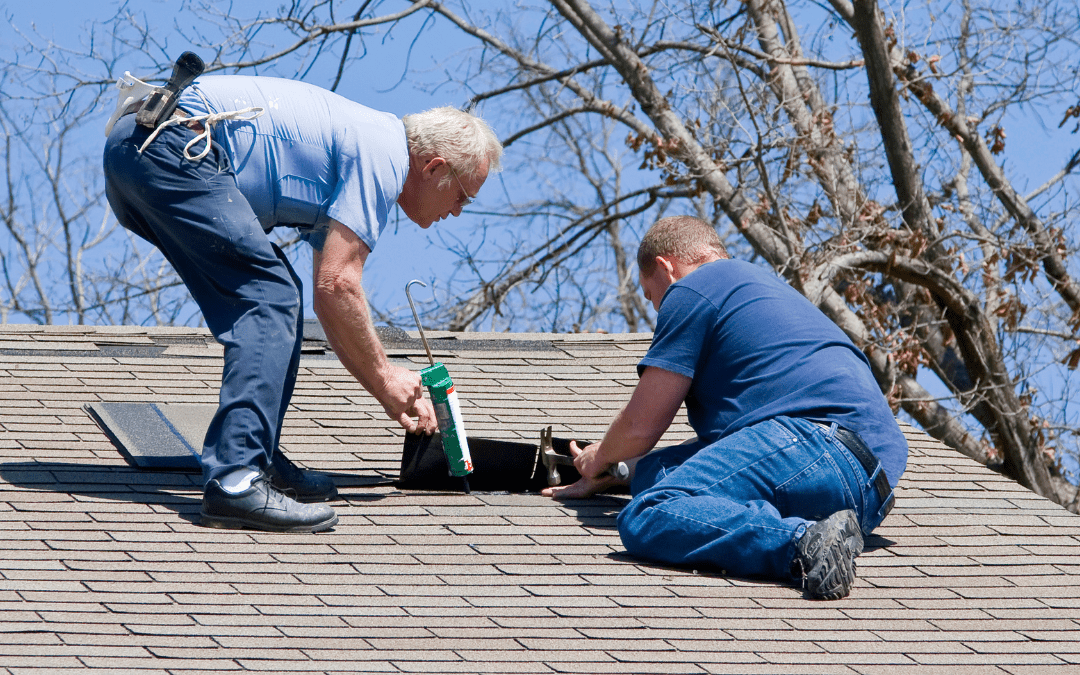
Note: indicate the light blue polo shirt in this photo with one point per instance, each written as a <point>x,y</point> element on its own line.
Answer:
<point>311,156</point>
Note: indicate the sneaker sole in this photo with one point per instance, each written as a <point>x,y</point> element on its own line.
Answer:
<point>229,523</point>
<point>850,539</point>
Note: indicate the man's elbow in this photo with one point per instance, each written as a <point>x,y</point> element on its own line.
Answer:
<point>321,298</point>
<point>333,283</point>
<point>649,432</point>
<point>643,429</point>
<point>646,423</point>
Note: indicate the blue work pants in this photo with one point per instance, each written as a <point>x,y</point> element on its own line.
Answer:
<point>740,503</point>
<point>249,294</point>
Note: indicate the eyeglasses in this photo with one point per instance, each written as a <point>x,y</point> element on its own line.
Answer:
<point>469,199</point>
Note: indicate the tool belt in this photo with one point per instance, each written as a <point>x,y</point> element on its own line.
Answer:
<point>870,463</point>
<point>155,107</point>
<point>179,115</point>
<point>200,124</point>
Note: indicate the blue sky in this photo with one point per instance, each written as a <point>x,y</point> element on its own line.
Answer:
<point>404,251</point>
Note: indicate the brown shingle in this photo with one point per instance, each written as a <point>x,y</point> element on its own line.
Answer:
<point>104,567</point>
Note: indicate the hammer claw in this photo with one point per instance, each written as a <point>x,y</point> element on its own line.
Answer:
<point>552,460</point>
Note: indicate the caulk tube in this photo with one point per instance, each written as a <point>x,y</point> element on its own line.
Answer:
<point>448,412</point>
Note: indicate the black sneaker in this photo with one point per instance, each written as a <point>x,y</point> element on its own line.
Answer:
<point>300,484</point>
<point>826,556</point>
<point>262,507</point>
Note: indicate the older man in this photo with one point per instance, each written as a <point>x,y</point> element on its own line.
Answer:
<point>241,156</point>
<point>797,450</point>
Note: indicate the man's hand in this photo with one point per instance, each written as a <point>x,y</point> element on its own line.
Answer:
<point>583,489</point>
<point>402,397</point>
<point>586,461</point>
<point>590,484</point>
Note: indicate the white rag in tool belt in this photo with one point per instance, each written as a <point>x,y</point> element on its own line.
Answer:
<point>132,90</point>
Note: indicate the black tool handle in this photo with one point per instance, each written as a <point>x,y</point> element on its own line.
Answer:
<point>162,103</point>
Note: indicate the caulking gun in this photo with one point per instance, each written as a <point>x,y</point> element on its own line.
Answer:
<point>447,408</point>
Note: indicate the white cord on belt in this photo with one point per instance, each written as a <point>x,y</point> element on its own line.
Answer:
<point>208,121</point>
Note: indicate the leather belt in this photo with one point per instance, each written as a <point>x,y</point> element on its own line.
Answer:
<point>870,463</point>
<point>194,125</point>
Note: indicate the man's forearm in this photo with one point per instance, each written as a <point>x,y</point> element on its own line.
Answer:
<point>624,441</point>
<point>346,319</point>
<point>627,438</point>
<point>640,425</point>
<point>342,308</point>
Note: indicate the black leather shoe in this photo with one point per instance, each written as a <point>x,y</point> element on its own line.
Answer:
<point>301,484</point>
<point>262,507</point>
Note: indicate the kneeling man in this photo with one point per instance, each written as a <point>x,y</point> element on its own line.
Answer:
<point>797,451</point>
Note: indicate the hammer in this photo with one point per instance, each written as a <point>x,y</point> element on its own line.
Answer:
<point>552,460</point>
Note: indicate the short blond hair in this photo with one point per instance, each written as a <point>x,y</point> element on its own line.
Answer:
<point>686,238</point>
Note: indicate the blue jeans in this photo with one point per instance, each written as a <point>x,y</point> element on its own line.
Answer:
<point>249,295</point>
<point>740,503</point>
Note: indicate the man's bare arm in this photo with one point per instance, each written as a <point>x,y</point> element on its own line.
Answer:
<point>342,309</point>
<point>640,424</point>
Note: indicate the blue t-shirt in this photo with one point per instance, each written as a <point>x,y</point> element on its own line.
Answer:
<point>756,349</point>
<point>311,156</point>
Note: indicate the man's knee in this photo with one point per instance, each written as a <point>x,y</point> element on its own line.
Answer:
<point>640,526</point>
<point>629,522</point>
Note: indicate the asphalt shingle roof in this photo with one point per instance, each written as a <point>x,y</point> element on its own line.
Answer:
<point>103,567</point>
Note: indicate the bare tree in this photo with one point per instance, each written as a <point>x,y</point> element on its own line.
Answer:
<point>64,260</point>
<point>59,240</point>
<point>932,261</point>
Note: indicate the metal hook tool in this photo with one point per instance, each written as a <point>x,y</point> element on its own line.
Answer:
<point>416,317</point>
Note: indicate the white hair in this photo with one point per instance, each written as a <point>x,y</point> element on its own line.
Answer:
<point>461,138</point>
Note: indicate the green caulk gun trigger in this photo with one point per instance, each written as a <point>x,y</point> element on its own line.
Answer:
<point>447,408</point>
